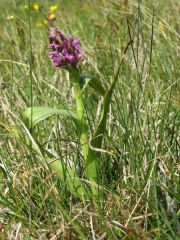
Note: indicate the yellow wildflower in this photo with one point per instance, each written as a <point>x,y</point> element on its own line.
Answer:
<point>52,16</point>
<point>161,26</point>
<point>53,8</point>
<point>36,7</point>
<point>25,6</point>
<point>10,17</point>
<point>45,22</point>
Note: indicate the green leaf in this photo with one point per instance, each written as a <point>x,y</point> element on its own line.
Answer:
<point>93,158</point>
<point>66,174</point>
<point>92,81</point>
<point>95,83</point>
<point>34,115</point>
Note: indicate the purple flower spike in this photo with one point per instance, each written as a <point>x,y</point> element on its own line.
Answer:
<point>65,51</point>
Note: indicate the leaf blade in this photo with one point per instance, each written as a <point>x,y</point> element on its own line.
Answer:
<point>33,115</point>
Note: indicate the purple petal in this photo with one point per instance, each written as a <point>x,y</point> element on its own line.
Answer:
<point>65,50</point>
<point>69,57</point>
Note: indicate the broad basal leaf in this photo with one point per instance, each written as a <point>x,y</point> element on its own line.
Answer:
<point>34,115</point>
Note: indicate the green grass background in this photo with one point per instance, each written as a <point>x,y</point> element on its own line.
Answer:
<point>140,155</point>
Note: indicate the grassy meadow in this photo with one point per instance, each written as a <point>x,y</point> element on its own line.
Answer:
<point>138,161</point>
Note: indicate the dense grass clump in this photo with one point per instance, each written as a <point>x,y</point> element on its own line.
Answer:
<point>139,188</point>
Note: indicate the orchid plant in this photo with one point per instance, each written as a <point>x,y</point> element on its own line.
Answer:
<point>66,53</point>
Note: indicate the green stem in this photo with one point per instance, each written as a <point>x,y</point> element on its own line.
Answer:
<point>77,92</point>
<point>80,112</point>
<point>87,153</point>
